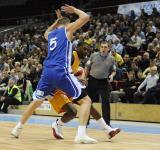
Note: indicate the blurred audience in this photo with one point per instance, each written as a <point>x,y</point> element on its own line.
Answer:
<point>134,43</point>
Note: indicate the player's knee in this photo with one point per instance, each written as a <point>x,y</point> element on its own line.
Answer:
<point>88,100</point>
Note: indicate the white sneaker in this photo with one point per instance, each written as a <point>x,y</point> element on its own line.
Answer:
<point>16,132</point>
<point>57,130</point>
<point>85,140</point>
<point>113,132</point>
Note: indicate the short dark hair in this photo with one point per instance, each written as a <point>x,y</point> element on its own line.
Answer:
<point>63,20</point>
<point>104,42</point>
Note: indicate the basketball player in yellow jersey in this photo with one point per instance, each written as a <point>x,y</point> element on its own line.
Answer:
<point>61,103</point>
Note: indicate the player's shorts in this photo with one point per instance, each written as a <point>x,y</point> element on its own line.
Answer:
<point>59,100</point>
<point>57,78</point>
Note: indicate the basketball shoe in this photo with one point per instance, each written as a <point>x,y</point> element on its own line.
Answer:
<point>16,131</point>
<point>85,140</point>
<point>113,132</point>
<point>57,130</point>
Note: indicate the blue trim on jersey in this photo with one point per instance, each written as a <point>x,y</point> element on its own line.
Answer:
<point>67,49</point>
<point>38,97</point>
<point>67,55</point>
<point>76,91</point>
<point>74,86</point>
<point>70,53</point>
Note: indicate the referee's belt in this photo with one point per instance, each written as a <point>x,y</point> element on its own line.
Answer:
<point>98,79</point>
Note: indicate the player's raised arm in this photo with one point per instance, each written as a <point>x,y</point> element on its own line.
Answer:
<point>54,25</point>
<point>83,19</point>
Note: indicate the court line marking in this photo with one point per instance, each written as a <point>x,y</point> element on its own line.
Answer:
<point>41,120</point>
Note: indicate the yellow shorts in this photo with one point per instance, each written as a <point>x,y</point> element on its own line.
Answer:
<point>59,100</point>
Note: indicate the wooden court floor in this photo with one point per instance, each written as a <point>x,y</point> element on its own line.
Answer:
<point>39,137</point>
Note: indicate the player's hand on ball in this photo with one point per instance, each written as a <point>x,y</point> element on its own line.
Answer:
<point>68,9</point>
<point>84,81</point>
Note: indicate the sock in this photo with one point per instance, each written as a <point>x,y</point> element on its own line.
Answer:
<point>60,122</point>
<point>103,124</point>
<point>19,125</point>
<point>81,132</point>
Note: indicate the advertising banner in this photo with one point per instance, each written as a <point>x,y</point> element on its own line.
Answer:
<point>147,6</point>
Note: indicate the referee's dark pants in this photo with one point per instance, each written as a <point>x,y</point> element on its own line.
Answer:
<point>99,90</point>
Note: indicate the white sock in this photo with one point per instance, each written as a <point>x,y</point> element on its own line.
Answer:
<point>81,131</point>
<point>19,125</point>
<point>103,124</point>
<point>60,122</point>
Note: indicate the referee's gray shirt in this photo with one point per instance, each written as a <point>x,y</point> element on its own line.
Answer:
<point>100,67</point>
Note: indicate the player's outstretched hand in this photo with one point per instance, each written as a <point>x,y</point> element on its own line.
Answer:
<point>68,9</point>
<point>58,13</point>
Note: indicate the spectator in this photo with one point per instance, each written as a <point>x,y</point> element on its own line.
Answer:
<point>150,35</point>
<point>152,51</point>
<point>147,70</point>
<point>132,15</point>
<point>153,28</point>
<point>139,77</point>
<point>125,94</point>
<point>150,81</point>
<point>127,62</point>
<point>134,45</point>
<point>129,87</point>
<point>144,15</point>
<point>152,96</point>
<point>158,59</point>
<point>25,67</point>
<point>155,12</point>
<point>145,61</point>
<point>117,57</point>
<point>141,34</point>
<point>118,47</point>
<point>111,36</point>
<point>12,96</point>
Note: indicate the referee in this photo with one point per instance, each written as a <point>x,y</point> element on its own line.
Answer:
<point>100,70</point>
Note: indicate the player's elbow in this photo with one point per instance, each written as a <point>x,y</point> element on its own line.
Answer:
<point>87,17</point>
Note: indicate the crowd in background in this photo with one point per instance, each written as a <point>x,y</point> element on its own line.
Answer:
<point>134,44</point>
